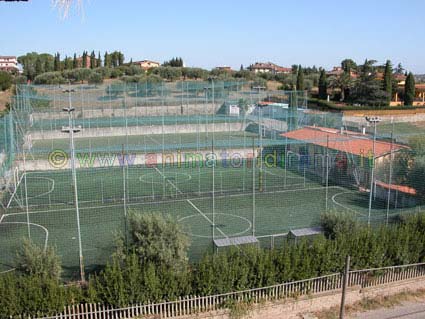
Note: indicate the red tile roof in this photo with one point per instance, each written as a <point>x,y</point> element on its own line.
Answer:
<point>348,141</point>
<point>270,66</point>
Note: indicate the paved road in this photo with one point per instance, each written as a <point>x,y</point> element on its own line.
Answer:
<point>406,311</point>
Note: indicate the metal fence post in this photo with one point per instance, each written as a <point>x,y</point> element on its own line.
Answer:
<point>344,287</point>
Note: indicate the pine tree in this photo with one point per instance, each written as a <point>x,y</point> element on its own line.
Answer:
<point>92,60</point>
<point>75,62</point>
<point>323,85</point>
<point>300,79</point>
<point>388,80</point>
<point>409,89</point>
<point>241,69</point>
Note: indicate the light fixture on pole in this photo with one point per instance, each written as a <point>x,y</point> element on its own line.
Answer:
<point>372,120</point>
<point>71,130</point>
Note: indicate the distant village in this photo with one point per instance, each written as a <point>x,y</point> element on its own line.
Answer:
<point>39,69</point>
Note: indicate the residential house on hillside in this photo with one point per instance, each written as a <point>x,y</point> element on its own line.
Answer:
<point>80,62</point>
<point>9,63</point>
<point>224,68</point>
<point>338,71</point>
<point>269,67</point>
<point>147,64</point>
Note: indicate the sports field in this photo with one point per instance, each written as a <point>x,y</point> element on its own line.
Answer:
<point>246,200</point>
<point>46,124</point>
<point>148,143</point>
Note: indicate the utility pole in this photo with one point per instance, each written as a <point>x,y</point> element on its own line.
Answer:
<point>344,287</point>
<point>374,120</point>
<point>71,130</point>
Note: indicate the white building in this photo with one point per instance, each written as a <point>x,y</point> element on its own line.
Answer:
<point>269,67</point>
<point>146,64</point>
<point>8,63</point>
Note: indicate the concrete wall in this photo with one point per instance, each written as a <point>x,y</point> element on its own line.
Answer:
<point>142,130</point>
<point>397,199</point>
<point>139,111</point>
<point>140,159</point>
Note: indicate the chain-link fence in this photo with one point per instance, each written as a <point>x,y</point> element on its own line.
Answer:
<point>224,164</point>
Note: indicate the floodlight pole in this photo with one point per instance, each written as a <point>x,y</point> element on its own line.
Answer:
<point>374,120</point>
<point>71,130</point>
<point>214,159</point>
<point>390,175</point>
<point>26,194</point>
<point>327,173</point>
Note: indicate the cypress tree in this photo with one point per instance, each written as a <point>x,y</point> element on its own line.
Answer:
<point>300,79</point>
<point>57,62</point>
<point>92,60</point>
<point>75,62</point>
<point>120,58</point>
<point>388,80</point>
<point>99,60</point>
<point>323,85</point>
<point>114,61</point>
<point>409,89</point>
<point>38,66</point>
<point>46,66</point>
<point>84,62</point>
<point>106,60</point>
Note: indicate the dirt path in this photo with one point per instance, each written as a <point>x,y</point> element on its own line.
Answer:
<point>4,98</point>
<point>407,310</point>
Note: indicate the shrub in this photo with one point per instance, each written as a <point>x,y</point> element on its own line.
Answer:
<point>5,80</point>
<point>95,78</point>
<point>35,261</point>
<point>158,239</point>
<point>50,78</point>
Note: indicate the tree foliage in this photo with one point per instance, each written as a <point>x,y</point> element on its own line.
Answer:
<point>388,80</point>
<point>348,65</point>
<point>33,260</point>
<point>140,276</point>
<point>95,78</point>
<point>158,240</point>
<point>367,89</point>
<point>50,78</point>
<point>323,85</point>
<point>5,80</point>
<point>300,79</point>
<point>409,89</point>
<point>176,62</point>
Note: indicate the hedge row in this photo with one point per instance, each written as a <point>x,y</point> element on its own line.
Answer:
<point>127,279</point>
<point>330,106</point>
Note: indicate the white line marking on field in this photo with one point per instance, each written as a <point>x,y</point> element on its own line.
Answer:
<point>192,204</point>
<point>15,190</point>
<point>343,206</point>
<point>172,200</point>
<point>25,223</point>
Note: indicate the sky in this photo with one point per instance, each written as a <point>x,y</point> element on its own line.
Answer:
<point>224,32</point>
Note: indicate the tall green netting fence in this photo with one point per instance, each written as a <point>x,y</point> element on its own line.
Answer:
<point>223,159</point>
